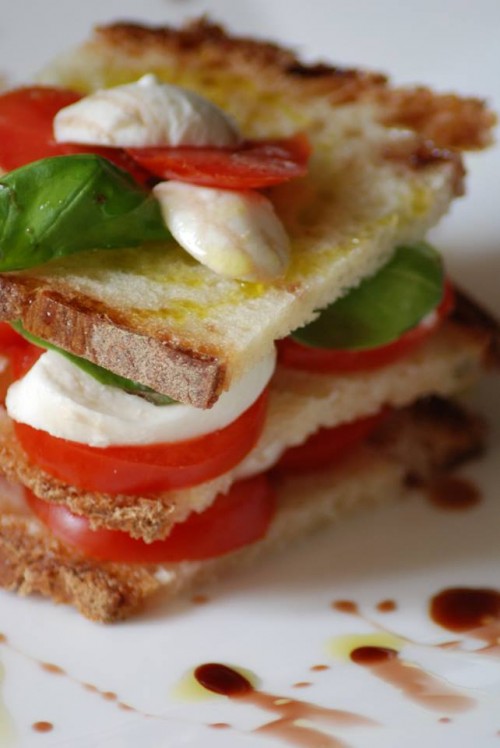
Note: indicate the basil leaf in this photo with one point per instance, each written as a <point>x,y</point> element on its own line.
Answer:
<point>104,376</point>
<point>382,307</point>
<point>67,204</point>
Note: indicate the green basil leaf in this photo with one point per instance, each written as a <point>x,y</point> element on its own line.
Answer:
<point>383,306</point>
<point>67,204</point>
<point>104,376</point>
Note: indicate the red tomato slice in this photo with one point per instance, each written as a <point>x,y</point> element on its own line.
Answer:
<point>23,356</point>
<point>329,445</point>
<point>296,355</point>
<point>150,468</point>
<point>235,519</point>
<point>20,356</point>
<point>26,117</point>
<point>253,165</point>
<point>9,336</point>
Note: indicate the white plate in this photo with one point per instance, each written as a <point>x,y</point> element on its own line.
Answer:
<point>277,620</point>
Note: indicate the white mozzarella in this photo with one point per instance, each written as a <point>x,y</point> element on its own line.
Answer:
<point>235,234</point>
<point>58,397</point>
<point>143,114</point>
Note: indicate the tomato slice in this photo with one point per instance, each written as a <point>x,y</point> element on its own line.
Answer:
<point>329,445</point>
<point>149,468</point>
<point>296,355</point>
<point>19,355</point>
<point>26,118</point>
<point>235,519</point>
<point>23,355</point>
<point>253,165</point>
<point>9,336</point>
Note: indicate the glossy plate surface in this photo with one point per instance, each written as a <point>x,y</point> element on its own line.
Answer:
<point>126,685</point>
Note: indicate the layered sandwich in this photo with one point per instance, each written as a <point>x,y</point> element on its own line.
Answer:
<point>222,324</point>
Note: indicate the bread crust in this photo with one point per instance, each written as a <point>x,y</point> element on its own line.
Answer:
<point>103,335</point>
<point>435,435</point>
<point>299,404</point>
<point>418,170</point>
<point>450,121</point>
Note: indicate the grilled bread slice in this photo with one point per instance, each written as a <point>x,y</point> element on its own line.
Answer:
<point>417,442</point>
<point>300,403</point>
<point>385,167</point>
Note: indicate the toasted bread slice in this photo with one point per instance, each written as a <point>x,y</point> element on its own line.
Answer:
<point>375,181</point>
<point>428,437</point>
<point>300,403</point>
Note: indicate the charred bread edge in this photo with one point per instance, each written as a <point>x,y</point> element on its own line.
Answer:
<point>95,332</point>
<point>448,120</point>
<point>439,435</point>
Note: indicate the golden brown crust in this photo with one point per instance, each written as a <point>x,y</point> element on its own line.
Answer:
<point>423,439</point>
<point>451,121</point>
<point>448,120</point>
<point>144,517</point>
<point>31,561</point>
<point>408,435</point>
<point>93,331</point>
<point>210,46</point>
<point>151,517</point>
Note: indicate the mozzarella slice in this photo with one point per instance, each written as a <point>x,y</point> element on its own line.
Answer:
<point>145,113</point>
<point>235,234</point>
<point>58,397</point>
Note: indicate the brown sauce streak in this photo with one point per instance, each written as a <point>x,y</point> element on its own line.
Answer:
<point>49,667</point>
<point>224,680</point>
<point>453,493</point>
<point>319,668</point>
<point>386,606</point>
<point>42,726</point>
<point>52,669</point>
<point>346,606</point>
<point>200,599</point>
<point>370,656</point>
<point>462,609</point>
<point>474,611</point>
<point>220,725</point>
<point>417,684</point>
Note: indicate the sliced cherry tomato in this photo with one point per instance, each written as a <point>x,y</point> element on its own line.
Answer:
<point>253,165</point>
<point>296,355</point>
<point>235,519</point>
<point>17,357</point>
<point>9,336</point>
<point>26,118</point>
<point>147,468</point>
<point>23,356</point>
<point>6,377</point>
<point>329,445</point>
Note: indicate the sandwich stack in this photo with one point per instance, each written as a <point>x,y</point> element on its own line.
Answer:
<point>225,328</point>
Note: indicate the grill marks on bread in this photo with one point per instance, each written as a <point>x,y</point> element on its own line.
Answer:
<point>449,120</point>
